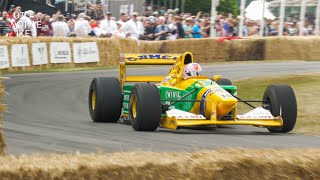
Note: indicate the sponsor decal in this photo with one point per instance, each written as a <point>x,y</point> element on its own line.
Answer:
<point>195,66</point>
<point>202,103</point>
<point>258,113</point>
<point>166,79</point>
<point>190,117</point>
<point>221,92</point>
<point>126,97</point>
<point>152,56</point>
<point>125,105</point>
<point>173,94</point>
<point>179,114</point>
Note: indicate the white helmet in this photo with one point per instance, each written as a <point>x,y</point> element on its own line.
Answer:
<point>191,70</point>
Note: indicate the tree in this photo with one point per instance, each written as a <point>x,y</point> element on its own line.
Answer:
<point>225,6</point>
<point>228,6</point>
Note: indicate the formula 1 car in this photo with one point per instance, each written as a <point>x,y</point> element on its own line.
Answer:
<point>174,102</point>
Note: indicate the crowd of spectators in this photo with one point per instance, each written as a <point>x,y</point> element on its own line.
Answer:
<point>151,25</point>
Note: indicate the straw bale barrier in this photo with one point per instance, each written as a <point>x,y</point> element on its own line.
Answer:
<point>2,109</point>
<point>218,164</point>
<point>205,50</point>
<point>292,48</point>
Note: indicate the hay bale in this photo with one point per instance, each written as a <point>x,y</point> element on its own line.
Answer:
<point>2,109</point>
<point>292,48</point>
<point>246,49</point>
<point>150,46</point>
<point>204,50</point>
<point>210,164</point>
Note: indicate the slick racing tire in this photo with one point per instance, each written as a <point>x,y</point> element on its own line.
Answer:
<point>105,99</point>
<point>281,97</point>
<point>145,107</point>
<point>224,82</point>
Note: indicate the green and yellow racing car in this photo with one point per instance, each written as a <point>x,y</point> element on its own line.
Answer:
<point>184,98</point>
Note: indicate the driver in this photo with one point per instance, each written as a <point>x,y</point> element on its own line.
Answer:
<point>191,70</point>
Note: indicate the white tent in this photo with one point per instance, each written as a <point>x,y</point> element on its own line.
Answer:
<point>255,9</point>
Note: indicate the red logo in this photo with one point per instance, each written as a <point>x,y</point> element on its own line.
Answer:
<point>196,67</point>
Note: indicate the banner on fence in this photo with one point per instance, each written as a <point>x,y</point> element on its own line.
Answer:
<point>60,52</point>
<point>39,53</point>
<point>85,52</point>
<point>19,55</point>
<point>4,58</point>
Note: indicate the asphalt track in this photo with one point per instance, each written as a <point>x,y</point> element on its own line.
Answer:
<point>48,113</point>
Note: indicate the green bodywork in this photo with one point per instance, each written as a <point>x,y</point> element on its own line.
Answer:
<point>170,94</point>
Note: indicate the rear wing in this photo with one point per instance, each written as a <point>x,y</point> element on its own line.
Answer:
<point>147,59</point>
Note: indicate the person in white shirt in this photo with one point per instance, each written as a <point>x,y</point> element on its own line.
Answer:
<point>82,26</point>
<point>133,28</point>
<point>24,26</point>
<point>60,27</point>
<point>107,26</point>
<point>123,19</point>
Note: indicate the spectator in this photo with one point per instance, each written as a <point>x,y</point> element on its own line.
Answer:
<point>71,24</point>
<point>123,19</point>
<point>108,26</point>
<point>197,31</point>
<point>188,28</point>
<point>60,27</point>
<point>24,25</point>
<point>149,31</point>
<point>120,33</point>
<point>162,29</point>
<point>82,27</point>
<point>5,25</point>
<point>223,31</point>
<point>46,25</point>
<point>180,29</point>
<point>99,12</point>
<point>133,28</point>
<point>173,29</point>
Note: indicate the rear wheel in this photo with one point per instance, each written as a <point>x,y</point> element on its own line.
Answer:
<point>224,82</point>
<point>105,99</point>
<point>281,97</point>
<point>145,107</point>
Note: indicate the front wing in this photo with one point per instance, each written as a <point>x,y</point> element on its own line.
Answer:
<point>258,117</point>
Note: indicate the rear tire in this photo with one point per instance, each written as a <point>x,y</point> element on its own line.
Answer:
<point>105,99</point>
<point>224,82</point>
<point>145,107</point>
<point>284,97</point>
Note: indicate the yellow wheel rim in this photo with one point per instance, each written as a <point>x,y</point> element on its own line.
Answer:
<point>134,106</point>
<point>93,99</point>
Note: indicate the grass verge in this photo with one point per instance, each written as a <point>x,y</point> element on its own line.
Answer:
<point>306,88</point>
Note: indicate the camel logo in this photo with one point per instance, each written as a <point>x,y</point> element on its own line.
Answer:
<point>173,94</point>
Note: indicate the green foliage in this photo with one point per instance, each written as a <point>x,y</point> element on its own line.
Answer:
<point>226,6</point>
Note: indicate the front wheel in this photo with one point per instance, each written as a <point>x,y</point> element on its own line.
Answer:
<point>145,107</point>
<point>281,100</point>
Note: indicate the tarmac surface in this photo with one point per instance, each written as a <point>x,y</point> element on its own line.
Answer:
<point>48,112</point>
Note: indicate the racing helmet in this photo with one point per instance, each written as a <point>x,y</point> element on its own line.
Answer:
<point>191,70</point>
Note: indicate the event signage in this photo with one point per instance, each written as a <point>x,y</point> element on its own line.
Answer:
<point>60,52</point>
<point>19,55</point>
<point>85,52</point>
<point>4,58</point>
<point>39,53</point>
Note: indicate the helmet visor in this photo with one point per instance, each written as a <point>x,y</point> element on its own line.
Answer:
<point>194,73</point>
